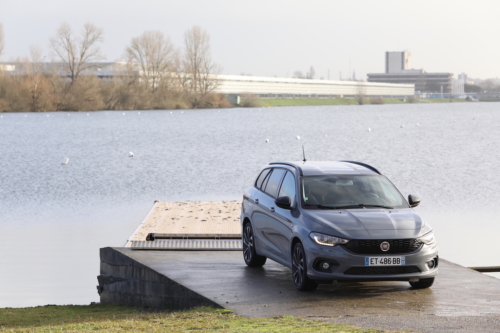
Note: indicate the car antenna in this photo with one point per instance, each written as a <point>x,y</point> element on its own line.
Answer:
<point>304,153</point>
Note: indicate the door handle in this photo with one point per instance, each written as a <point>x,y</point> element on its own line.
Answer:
<point>271,209</point>
<point>257,201</point>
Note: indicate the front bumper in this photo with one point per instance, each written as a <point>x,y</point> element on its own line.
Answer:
<point>344,261</point>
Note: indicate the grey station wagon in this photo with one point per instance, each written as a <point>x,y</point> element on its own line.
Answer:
<point>334,221</point>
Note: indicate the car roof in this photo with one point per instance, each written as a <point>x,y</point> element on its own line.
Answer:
<point>318,168</point>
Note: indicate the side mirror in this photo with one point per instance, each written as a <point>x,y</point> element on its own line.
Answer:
<point>283,202</point>
<point>413,200</point>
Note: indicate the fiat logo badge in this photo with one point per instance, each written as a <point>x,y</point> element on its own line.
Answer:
<point>385,246</point>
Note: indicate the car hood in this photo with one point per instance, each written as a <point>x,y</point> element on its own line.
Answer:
<point>369,223</point>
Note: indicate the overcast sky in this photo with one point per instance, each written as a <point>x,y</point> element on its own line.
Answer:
<point>271,37</point>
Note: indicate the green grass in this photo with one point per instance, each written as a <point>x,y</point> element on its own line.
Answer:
<point>270,102</point>
<point>115,318</point>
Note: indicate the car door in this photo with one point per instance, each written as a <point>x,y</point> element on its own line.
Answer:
<point>266,212</point>
<point>280,223</point>
<point>260,212</point>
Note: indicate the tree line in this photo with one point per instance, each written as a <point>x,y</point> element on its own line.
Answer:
<point>153,74</point>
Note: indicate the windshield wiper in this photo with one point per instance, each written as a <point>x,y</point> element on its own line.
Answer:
<point>363,206</point>
<point>348,206</point>
<point>321,206</point>
<point>378,206</point>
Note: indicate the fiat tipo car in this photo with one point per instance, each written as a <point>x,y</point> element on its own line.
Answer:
<point>335,221</point>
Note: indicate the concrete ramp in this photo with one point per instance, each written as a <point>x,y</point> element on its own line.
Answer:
<point>461,300</point>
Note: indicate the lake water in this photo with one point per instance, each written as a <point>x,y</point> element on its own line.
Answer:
<point>54,217</point>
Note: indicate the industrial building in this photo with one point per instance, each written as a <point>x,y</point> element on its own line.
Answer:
<point>287,88</point>
<point>398,70</point>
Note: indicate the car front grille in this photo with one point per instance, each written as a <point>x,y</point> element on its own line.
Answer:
<point>382,270</point>
<point>372,246</point>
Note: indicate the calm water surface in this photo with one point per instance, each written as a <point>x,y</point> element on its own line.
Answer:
<point>54,217</point>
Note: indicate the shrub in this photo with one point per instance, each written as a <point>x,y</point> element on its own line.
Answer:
<point>376,100</point>
<point>249,101</point>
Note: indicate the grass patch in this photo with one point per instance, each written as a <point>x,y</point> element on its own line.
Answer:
<point>270,102</point>
<point>114,318</point>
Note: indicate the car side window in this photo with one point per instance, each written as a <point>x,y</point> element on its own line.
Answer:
<point>262,176</point>
<point>274,182</point>
<point>288,188</point>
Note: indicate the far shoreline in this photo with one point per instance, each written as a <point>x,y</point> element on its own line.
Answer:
<point>295,102</point>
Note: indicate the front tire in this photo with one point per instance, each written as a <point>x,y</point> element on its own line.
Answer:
<point>252,259</point>
<point>422,283</point>
<point>299,270</point>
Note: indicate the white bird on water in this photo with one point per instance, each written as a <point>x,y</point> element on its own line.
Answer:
<point>298,137</point>
<point>418,124</point>
<point>25,116</point>
<point>65,161</point>
<point>267,140</point>
<point>48,115</point>
<point>138,113</point>
<point>87,114</point>
<point>123,113</point>
<point>369,129</point>
<point>130,154</point>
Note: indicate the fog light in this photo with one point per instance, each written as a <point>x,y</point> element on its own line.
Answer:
<point>325,265</point>
<point>431,263</point>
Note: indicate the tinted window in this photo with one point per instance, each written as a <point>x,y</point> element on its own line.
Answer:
<point>261,178</point>
<point>274,182</point>
<point>348,190</point>
<point>288,187</point>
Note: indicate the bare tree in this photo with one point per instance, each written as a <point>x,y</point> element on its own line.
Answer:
<point>1,39</point>
<point>360,93</point>
<point>77,54</point>
<point>311,73</point>
<point>198,65</point>
<point>154,54</point>
<point>37,84</point>
<point>298,75</point>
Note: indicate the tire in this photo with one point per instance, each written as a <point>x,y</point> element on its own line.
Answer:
<point>299,270</point>
<point>252,259</point>
<point>422,283</point>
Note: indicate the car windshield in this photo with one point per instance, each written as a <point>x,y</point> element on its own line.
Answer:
<point>350,191</point>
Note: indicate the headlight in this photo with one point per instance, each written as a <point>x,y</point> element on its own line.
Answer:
<point>428,238</point>
<point>327,240</point>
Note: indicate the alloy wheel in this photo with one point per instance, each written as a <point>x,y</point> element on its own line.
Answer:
<point>298,266</point>
<point>248,246</point>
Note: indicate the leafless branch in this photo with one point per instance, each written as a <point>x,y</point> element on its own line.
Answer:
<point>154,54</point>
<point>1,39</point>
<point>77,54</point>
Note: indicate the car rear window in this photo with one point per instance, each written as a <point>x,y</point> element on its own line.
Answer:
<point>274,182</point>
<point>262,176</point>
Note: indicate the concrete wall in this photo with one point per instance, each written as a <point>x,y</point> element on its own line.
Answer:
<point>124,281</point>
<point>284,87</point>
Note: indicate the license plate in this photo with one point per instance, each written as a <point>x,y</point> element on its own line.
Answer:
<point>385,261</point>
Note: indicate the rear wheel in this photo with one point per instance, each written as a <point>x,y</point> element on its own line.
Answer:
<point>299,269</point>
<point>251,257</point>
<point>422,283</point>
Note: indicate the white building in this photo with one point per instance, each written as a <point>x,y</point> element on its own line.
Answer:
<point>285,87</point>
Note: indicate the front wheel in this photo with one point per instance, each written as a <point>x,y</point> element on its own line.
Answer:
<point>252,259</point>
<point>422,283</point>
<point>299,269</point>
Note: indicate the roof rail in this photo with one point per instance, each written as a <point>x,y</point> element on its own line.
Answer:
<point>363,164</point>
<point>289,164</point>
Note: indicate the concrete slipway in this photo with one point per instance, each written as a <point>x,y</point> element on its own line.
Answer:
<point>461,300</point>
